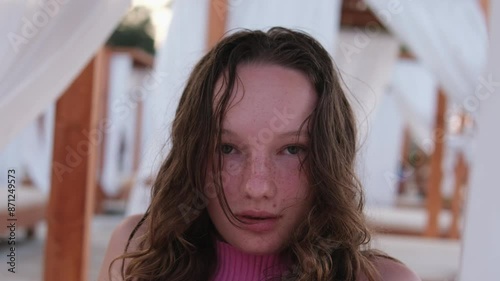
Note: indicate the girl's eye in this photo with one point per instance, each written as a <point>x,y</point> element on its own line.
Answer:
<point>226,149</point>
<point>293,149</point>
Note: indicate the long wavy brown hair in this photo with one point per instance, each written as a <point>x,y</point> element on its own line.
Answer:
<point>331,244</point>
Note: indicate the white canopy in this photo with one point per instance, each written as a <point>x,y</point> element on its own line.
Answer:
<point>45,45</point>
<point>448,36</point>
<point>173,64</point>
<point>366,63</point>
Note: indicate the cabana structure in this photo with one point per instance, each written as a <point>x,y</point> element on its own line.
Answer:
<point>55,51</point>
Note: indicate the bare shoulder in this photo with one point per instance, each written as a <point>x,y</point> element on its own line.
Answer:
<point>125,228</point>
<point>391,270</point>
<point>117,244</point>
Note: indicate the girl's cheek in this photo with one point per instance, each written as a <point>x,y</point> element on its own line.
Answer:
<point>289,166</point>
<point>292,180</point>
<point>232,171</point>
<point>233,166</point>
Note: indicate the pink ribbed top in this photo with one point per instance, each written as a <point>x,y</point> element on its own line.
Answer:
<point>233,264</point>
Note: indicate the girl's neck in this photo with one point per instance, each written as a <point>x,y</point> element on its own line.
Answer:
<point>234,264</point>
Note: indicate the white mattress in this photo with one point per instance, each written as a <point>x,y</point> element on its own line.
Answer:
<point>405,219</point>
<point>24,197</point>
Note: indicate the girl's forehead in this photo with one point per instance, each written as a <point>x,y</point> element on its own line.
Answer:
<point>269,96</point>
<point>276,82</point>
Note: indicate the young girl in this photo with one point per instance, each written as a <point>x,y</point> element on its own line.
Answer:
<point>260,182</point>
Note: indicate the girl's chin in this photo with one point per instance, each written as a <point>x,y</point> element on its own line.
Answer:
<point>258,247</point>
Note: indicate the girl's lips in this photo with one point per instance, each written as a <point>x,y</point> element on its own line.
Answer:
<point>256,224</point>
<point>256,214</point>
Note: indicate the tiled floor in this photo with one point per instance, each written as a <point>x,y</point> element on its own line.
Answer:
<point>433,260</point>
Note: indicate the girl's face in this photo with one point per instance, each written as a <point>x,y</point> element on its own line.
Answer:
<point>262,179</point>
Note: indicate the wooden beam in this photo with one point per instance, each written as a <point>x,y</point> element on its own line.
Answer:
<point>461,179</point>
<point>485,6</point>
<point>141,60</point>
<point>217,18</point>
<point>405,156</point>
<point>434,198</point>
<point>138,133</point>
<point>405,53</point>
<point>71,198</point>
<point>102,115</point>
<point>356,13</point>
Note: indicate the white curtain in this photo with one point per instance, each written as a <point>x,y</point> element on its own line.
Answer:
<point>415,90</point>
<point>381,153</point>
<point>366,61</point>
<point>448,36</point>
<point>12,159</point>
<point>183,47</point>
<point>45,45</point>
<point>30,151</point>
<point>449,39</point>
<point>480,254</point>
<point>38,142</point>
<point>121,114</point>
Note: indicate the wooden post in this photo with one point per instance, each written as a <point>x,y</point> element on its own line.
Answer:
<point>485,6</point>
<point>217,19</point>
<point>73,178</point>
<point>138,133</point>
<point>405,157</point>
<point>143,60</point>
<point>461,175</point>
<point>102,114</point>
<point>434,198</point>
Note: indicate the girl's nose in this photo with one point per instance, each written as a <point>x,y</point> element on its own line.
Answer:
<point>259,180</point>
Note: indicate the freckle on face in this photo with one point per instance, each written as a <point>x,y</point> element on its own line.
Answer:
<point>261,173</point>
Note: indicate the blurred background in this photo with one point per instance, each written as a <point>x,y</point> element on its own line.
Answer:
<point>88,90</point>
